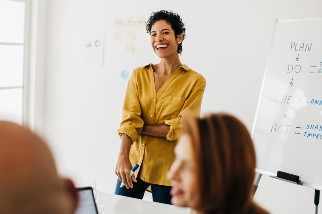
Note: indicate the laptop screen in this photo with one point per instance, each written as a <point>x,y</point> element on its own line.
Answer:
<point>87,204</point>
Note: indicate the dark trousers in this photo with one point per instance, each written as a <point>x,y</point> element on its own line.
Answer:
<point>160,193</point>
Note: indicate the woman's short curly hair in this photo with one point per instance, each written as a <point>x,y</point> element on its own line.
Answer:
<point>172,18</point>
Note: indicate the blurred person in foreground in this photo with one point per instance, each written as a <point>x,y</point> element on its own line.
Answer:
<point>29,182</point>
<point>214,167</point>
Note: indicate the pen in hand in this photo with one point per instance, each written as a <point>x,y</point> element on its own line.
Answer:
<point>131,173</point>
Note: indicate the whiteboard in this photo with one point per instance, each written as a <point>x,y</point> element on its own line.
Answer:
<point>287,130</point>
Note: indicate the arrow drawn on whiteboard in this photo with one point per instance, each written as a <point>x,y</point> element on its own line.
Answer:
<point>298,57</point>
<point>285,114</point>
<point>291,83</point>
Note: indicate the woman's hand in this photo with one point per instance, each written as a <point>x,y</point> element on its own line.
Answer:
<point>123,170</point>
<point>123,165</point>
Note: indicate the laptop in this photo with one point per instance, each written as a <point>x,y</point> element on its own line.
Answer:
<point>87,204</point>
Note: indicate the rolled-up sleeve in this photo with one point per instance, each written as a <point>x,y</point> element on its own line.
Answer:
<point>192,104</point>
<point>131,123</point>
<point>174,132</point>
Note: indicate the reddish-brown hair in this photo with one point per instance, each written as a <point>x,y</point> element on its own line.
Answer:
<point>225,159</point>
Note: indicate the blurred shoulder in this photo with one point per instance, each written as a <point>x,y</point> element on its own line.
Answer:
<point>256,209</point>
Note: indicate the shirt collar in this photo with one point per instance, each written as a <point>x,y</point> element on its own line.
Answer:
<point>184,66</point>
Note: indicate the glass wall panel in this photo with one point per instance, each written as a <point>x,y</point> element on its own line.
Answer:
<point>11,105</point>
<point>12,15</point>
<point>11,65</point>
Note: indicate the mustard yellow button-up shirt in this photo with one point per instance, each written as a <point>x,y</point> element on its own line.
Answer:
<point>182,91</point>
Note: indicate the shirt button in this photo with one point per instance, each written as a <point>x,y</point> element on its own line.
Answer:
<point>151,115</point>
<point>153,100</point>
<point>142,144</point>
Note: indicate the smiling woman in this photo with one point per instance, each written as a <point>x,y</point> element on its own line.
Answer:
<point>156,98</point>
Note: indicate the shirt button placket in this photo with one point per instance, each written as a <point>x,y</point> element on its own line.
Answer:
<point>153,108</point>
